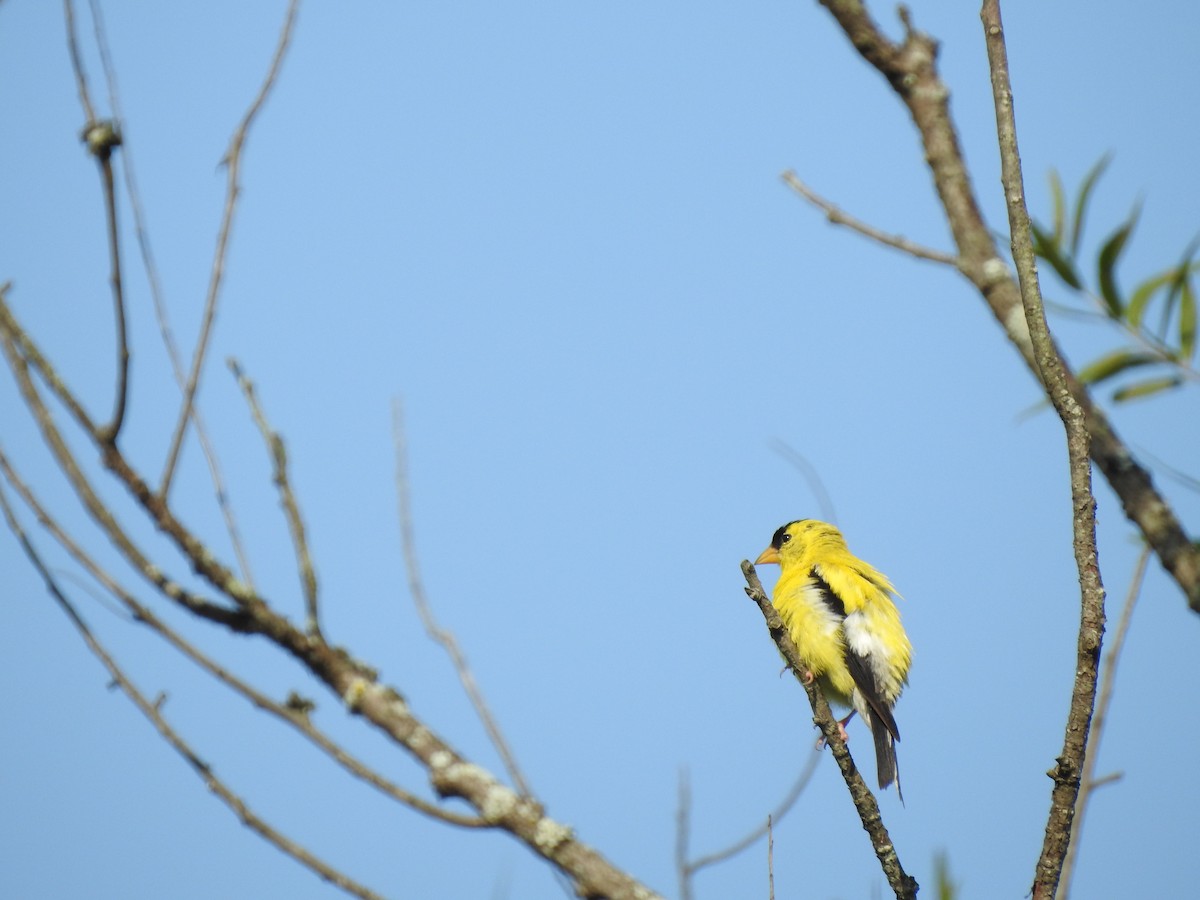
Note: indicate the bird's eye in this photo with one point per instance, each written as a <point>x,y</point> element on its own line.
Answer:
<point>780,537</point>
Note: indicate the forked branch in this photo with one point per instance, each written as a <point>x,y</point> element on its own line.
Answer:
<point>151,711</point>
<point>233,164</point>
<point>910,68</point>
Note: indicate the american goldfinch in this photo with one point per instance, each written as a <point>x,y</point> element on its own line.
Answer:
<point>839,611</point>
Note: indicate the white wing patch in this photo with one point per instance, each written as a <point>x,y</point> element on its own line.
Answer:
<point>827,620</point>
<point>861,639</point>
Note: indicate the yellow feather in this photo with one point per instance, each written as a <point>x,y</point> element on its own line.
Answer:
<point>839,611</point>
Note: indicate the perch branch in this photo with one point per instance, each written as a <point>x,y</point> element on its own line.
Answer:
<point>903,884</point>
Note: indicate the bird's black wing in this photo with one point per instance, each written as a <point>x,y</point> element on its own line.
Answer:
<point>883,726</point>
<point>859,666</point>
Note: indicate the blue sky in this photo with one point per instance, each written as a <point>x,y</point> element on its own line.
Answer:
<point>557,231</point>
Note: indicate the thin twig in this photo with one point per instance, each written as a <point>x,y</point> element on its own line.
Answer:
<point>1067,770</point>
<point>142,233</point>
<point>150,710</point>
<point>29,353</point>
<point>784,807</point>
<point>101,139</point>
<point>903,884</point>
<point>110,431</point>
<point>81,81</point>
<point>810,475</point>
<point>683,831</point>
<point>1088,783</point>
<point>287,497</point>
<point>837,216</point>
<point>770,860</point>
<point>441,635</point>
<point>232,160</point>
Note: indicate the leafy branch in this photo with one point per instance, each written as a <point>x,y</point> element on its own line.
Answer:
<point>1158,318</point>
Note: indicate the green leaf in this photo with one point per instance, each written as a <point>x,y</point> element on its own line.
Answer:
<point>1058,197</point>
<point>1146,388</point>
<point>1145,291</point>
<point>1187,320</point>
<point>945,886</point>
<point>1114,364</point>
<point>1109,254</point>
<point>1049,249</point>
<point>1085,194</point>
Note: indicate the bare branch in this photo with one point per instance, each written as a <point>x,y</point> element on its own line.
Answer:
<point>287,497</point>
<point>1088,782</point>
<point>233,161</point>
<point>770,860</point>
<point>416,586</point>
<point>683,832</point>
<point>81,80</point>
<point>150,710</point>
<point>27,350</point>
<point>784,807</point>
<point>839,217</point>
<point>113,428</point>
<point>101,138</point>
<point>294,713</point>
<point>686,868</point>
<point>142,233</point>
<point>99,512</point>
<point>904,885</point>
<point>232,619</point>
<point>356,684</point>
<point>1069,766</point>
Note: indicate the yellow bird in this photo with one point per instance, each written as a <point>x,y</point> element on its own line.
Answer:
<point>839,611</point>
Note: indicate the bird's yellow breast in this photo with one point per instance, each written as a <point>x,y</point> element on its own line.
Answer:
<point>817,632</point>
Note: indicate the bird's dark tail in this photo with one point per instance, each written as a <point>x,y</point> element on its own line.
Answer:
<point>885,757</point>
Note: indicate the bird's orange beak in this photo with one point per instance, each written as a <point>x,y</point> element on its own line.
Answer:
<point>770,555</point>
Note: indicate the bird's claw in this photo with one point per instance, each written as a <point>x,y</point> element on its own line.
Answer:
<point>841,725</point>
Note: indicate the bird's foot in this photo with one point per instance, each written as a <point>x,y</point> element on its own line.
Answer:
<point>841,725</point>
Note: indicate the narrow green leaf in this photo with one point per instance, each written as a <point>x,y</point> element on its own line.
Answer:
<point>1183,294</point>
<point>1146,388</point>
<point>1187,321</point>
<point>1114,364</point>
<point>1109,254</point>
<point>1085,194</point>
<point>944,885</point>
<point>1058,197</point>
<point>1049,249</point>
<point>1144,293</point>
